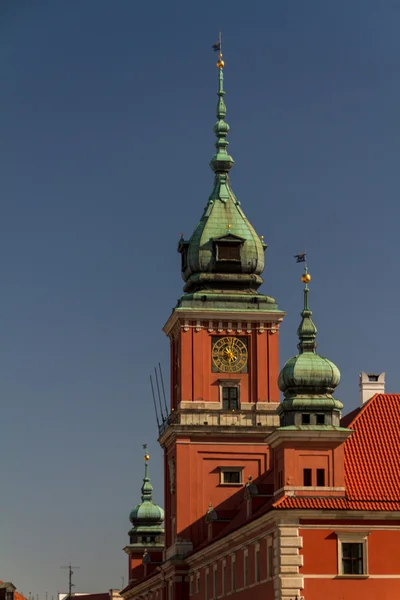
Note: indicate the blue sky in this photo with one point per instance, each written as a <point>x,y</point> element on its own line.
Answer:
<point>106,114</point>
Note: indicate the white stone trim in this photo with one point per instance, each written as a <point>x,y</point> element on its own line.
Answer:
<point>288,582</point>
<point>352,537</point>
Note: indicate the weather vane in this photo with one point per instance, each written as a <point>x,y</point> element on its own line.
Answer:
<point>302,258</point>
<point>217,47</point>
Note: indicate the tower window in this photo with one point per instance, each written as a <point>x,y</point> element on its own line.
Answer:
<point>231,476</point>
<point>228,251</point>
<point>307,480</point>
<point>320,419</point>
<point>230,398</point>
<point>320,477</point>
<point>305,419</point>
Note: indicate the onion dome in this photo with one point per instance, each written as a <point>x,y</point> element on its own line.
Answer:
<point>308,380</point>
<point>147,517</point>
<point>224,252</point>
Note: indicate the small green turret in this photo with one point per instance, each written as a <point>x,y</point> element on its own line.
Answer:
<point>308,380</point>
<point>147,517</point>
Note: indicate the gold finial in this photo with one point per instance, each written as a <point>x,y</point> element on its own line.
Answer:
<point>261,237</point>
<point>146,454</point>
<point>229,226</point>
<point>220,63</point>
<point>306,277</point>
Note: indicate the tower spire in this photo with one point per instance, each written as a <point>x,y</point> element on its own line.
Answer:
<point>147,488</point>
<point>307,330</point>
<point>221,162</point>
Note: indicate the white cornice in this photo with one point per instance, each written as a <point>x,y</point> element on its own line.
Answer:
<point>219,315</point>
<point>305,435</point>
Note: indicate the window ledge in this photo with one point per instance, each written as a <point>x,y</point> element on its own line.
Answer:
<point>231,484</point>
<point>363,576</point>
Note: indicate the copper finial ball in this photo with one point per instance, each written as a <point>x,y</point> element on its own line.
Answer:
<point>306,278</point>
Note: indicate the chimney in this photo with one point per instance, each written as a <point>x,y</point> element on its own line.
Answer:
<point>370,385</point>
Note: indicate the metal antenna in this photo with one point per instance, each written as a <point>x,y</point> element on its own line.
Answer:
<point>159,396</point>
<point>163,388</point>
<point>154,401</point>
<point>70,573</point>
<point>123,582</point>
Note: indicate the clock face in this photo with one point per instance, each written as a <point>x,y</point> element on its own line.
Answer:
<point>229,354</point>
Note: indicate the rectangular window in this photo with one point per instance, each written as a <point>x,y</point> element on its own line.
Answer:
<point>352,558</point>
<point>246,568</point>
<point>320,419</point>
<point>307,478</point>
<point>233,573</point>
<point>352,553</point>
<point>320,477</point>
<point>230,398</point>
<point>226,251</point>
<point>305,419</point>
<point>280,480</point>
<point>257,564</point>
<point>270,557</point>
<point>231,475</point>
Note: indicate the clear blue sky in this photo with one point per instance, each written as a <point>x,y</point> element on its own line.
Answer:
<point>106,116</point>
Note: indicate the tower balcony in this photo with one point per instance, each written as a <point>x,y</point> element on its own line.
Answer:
<point>198,417</point>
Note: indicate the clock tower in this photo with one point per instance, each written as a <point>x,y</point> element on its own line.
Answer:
<point>224,361</point>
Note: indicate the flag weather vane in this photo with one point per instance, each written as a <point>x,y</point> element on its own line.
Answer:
<point>217,47</point>
<point>302,258</point>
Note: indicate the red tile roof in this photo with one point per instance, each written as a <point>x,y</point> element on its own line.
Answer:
<point>371,460</point>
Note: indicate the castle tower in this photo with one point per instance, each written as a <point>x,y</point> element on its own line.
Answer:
<point>146,537</point>
<point>224,359</point>
<point>307,448</point>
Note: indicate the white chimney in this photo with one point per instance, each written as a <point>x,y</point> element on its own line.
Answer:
<point>370,385</point>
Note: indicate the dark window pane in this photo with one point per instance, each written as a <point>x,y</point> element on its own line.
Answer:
<point>307,477</point>
<point>230,398</point>
<point>228,252</point>
<point>320,419</point>
<point>305,419</point>
<point>232,477</point>
<point>320,477</point>
<point>352,558</point>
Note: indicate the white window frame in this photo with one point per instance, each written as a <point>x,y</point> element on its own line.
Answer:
<point>223,470</point>
<point>352,537</point>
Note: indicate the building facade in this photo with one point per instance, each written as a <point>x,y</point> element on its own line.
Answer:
<point>263,499</point>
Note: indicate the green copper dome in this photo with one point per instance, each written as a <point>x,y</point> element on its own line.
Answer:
<point>308,380</point>
<point>224,252</point>
<point>146,516</point>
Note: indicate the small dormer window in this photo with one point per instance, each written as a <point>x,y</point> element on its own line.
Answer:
<point>228,252</point>
<point>228,248</point>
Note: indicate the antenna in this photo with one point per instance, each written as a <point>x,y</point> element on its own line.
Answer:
<point>159,395</point>
<point>154,401</point>
<point>163,388</point>
<point>70,584</point>
<point>123,581</point>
